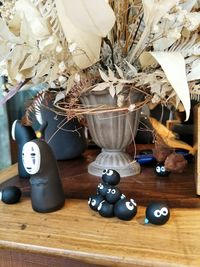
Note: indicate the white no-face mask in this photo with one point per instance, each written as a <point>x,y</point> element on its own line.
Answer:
<point>31,157</point>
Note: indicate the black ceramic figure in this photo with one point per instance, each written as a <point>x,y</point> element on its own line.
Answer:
<point>161,171</point>
<point>110,177</point>
<point>106,209</point>
<point>46,188</point>
<point>157,213</point>
<point>125,209</point>
<point>66,138</point>
<point>113,194</point>
<point>94,201</point>
<point>22,134</point>
<point>10,194</point>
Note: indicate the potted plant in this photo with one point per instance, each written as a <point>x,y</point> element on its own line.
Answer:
<point>146,47</point>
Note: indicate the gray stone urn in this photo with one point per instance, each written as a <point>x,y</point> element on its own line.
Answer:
<point>112,132</point>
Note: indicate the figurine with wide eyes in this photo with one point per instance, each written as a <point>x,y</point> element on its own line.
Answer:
<point>161,171</point>
<point>113,194</point>
<point>22,134</point>
<point>157,213</point>
<point>102,189</point>
<point>110,177</point>
<point>125,209</point>
<point>46,188</point>
<point>94,201</point>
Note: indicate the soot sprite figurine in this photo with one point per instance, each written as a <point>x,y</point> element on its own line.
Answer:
<point>21,134</point>
<point>102,189</point>
<point>125,209</point>
<point>10,194</point>
<point>106,209</point>
<point>113,194</point>
<point>160,170</point>
<point>157,213</point>
<point>46,189</point>
<point>94,201</point>
<point>110,177</point>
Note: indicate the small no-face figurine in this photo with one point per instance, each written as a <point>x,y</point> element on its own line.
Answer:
<point>157,213</point>
<point>102,189</point>
<point>46,188</point>
<point>125,209</point>
<point>160,170</point>
<point>110,177</point>
<point>113,194</point>
<point>22,134</point>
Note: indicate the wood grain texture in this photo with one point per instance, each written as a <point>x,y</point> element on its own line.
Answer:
<point>75,232</point>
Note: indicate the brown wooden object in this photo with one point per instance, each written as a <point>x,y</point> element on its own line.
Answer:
<point>78,235</point>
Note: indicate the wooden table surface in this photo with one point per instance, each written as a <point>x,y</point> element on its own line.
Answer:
<point>77,233</point>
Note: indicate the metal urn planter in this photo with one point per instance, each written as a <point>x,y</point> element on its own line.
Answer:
<point>113,132</point>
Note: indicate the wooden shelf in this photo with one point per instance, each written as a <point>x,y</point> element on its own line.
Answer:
<point>77,236</point>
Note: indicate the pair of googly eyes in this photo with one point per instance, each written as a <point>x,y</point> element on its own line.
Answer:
<point>111,191</point>
<point>161,212</point>
<point>108,172</point>
<point>131,204</point>
<point>160,169</point>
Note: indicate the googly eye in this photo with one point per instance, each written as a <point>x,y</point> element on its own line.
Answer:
<point>93,202</point>
<point>113,191</point>
<point>164,211</point>
<point>104,171</point>
<point>158,168</point>
<point>133,202</point>
<point>89,200</point>
<point>109,172</point>
<point>100,186</point>
<point>109,190</point>
<point>100,205</point>
<point>129,205</point>
<point>157,213</point>
<point>122,196</point>
<point>163,169</point>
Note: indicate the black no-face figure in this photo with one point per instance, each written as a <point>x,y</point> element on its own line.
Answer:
<point>46,189</point>
<point>22,134</point>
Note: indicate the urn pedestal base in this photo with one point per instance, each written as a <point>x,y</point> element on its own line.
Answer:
<point>114,159</point>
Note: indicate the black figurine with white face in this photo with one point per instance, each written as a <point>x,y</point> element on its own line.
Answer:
<point>47,193</point>
<point>125,209</point>
<point>110,177</point>
<point>160,170</point>
<point>157,213</point>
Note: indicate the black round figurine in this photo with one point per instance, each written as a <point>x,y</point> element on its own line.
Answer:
<point>46,188</point>
<point>125,209</point>
<point>106,209</point>
<point>113,194</point>
<point>21,134</point>
<point>161,171</point>
<point>102,189</point>
<point>110,177</point>
<point>157,213</point>
<point>94,201</point>
<point>10,194</point>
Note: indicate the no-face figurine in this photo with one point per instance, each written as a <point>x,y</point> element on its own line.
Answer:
<point>22,134</point>
<point>46,188</point>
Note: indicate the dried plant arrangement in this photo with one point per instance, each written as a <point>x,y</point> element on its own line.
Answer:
<point>151,46</point>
